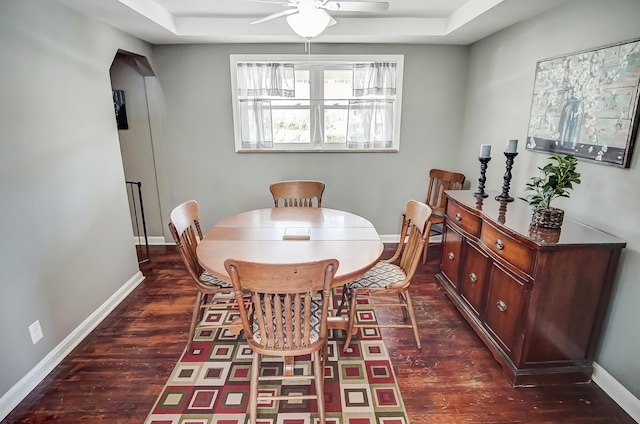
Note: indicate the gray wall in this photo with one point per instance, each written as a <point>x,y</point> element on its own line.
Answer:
<point>202,164</point>
<point>501,76</point>
<point>67,244</point>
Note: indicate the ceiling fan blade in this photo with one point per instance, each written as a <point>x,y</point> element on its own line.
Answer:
<point>332,21</point>
<point>274,16</point>
<point>357,6</point>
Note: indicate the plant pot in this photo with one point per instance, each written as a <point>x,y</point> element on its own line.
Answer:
<point>547,217</point>
<point>544,235</point>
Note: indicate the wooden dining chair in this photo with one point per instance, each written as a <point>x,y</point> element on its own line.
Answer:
<point>392,276</point>
<point>185,228</point>
<point>288,318</point>
<point>298,193</point>
<point>439,181</point>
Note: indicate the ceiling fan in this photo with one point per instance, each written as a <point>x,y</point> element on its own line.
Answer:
<point>308,18</point>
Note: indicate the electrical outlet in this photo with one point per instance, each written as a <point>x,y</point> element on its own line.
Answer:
<point>36,332</point>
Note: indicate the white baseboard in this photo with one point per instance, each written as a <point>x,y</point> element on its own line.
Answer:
<point>616,391</point>
<point>160,240</point>
<point>390,238</point>
<point>22,388</point>
<point>394,238</point>
<point>385,238</point>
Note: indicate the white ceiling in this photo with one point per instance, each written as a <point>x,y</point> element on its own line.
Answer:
<point>227,21</point>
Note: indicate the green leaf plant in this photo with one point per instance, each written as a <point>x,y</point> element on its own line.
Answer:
<point>558,177</point>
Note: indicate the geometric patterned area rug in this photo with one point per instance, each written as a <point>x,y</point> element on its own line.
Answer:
<point>210,383</point>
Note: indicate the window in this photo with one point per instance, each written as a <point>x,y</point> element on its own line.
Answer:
<point>323,103</point>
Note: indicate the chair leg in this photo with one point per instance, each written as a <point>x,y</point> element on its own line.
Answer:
<point>343,301</point>
<point>325,356</point>
<point>427,244</point>
<point>403,301</point>
<point>253,389</point>
<point>319,380</point>
<point>195,318</point>
<point>412,315</point>
<point>352,320</point>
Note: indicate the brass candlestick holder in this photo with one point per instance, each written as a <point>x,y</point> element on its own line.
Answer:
<point>504,196</point>
<point>483,178</point>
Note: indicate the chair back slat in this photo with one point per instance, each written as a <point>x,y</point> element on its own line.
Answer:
<point>439,181</point>
<point>186,215</point>
<point>300,193</point>
<point>415,231</point>
<point>185,228</point>
<point>412,248</point>
<point>267,313</point>
<point>255,297</point>
<point>288,315</point>
<point>279,331</point>
<point>283,303</point>
<point>307,322</point>
<point>299,202</point>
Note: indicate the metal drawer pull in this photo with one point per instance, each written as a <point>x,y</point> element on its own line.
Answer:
<point>451,256</point>
<point>499,244</point>
<point>458,217</point>
<point>502,307</point>
<point>473,277</point>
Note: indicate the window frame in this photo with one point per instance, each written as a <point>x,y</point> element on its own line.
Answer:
<point>327,61</point>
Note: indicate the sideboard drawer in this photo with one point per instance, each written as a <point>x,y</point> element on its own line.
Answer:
<point>463,219</point>
<point>507,247</point>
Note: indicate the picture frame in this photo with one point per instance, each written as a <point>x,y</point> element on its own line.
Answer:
<point>586,104</point>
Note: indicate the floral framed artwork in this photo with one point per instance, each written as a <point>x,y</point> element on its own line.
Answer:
<point>586,104</point>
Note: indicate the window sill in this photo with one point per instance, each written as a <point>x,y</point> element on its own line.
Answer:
<point>389,150</point>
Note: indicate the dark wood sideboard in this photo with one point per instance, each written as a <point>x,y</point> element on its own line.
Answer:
<point>536,297</point>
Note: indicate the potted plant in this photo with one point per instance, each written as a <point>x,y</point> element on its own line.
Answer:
<point>558,177</point>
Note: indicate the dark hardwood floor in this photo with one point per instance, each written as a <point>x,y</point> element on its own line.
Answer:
<point>115,374</point>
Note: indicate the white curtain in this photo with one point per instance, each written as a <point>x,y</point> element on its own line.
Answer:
<point>370,124</point>
<point>266,79</point>
<point>257,130</point>
<point>374,79</point>
<point>370,119</point>
<point>256,83</point>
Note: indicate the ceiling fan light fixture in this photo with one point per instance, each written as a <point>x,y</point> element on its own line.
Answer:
<point>309,22</point>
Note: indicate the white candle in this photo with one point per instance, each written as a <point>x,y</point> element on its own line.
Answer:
<point>512,146</point>
<point>485,150</point>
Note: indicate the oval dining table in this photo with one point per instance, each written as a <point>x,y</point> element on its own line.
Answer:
<point>261,235</point>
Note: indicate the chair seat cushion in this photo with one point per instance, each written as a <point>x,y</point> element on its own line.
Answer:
<point>382,275</point>
<point>213,281</point>
<point>314,329</point>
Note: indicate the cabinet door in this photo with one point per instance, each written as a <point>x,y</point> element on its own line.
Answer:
<point>504,306</point>
<point>451,253</point>
<point>473,277</point>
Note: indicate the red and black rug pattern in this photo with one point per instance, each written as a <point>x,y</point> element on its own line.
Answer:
<point>210,383</point>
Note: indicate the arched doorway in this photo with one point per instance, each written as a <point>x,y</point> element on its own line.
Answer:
<point>130,74</point>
